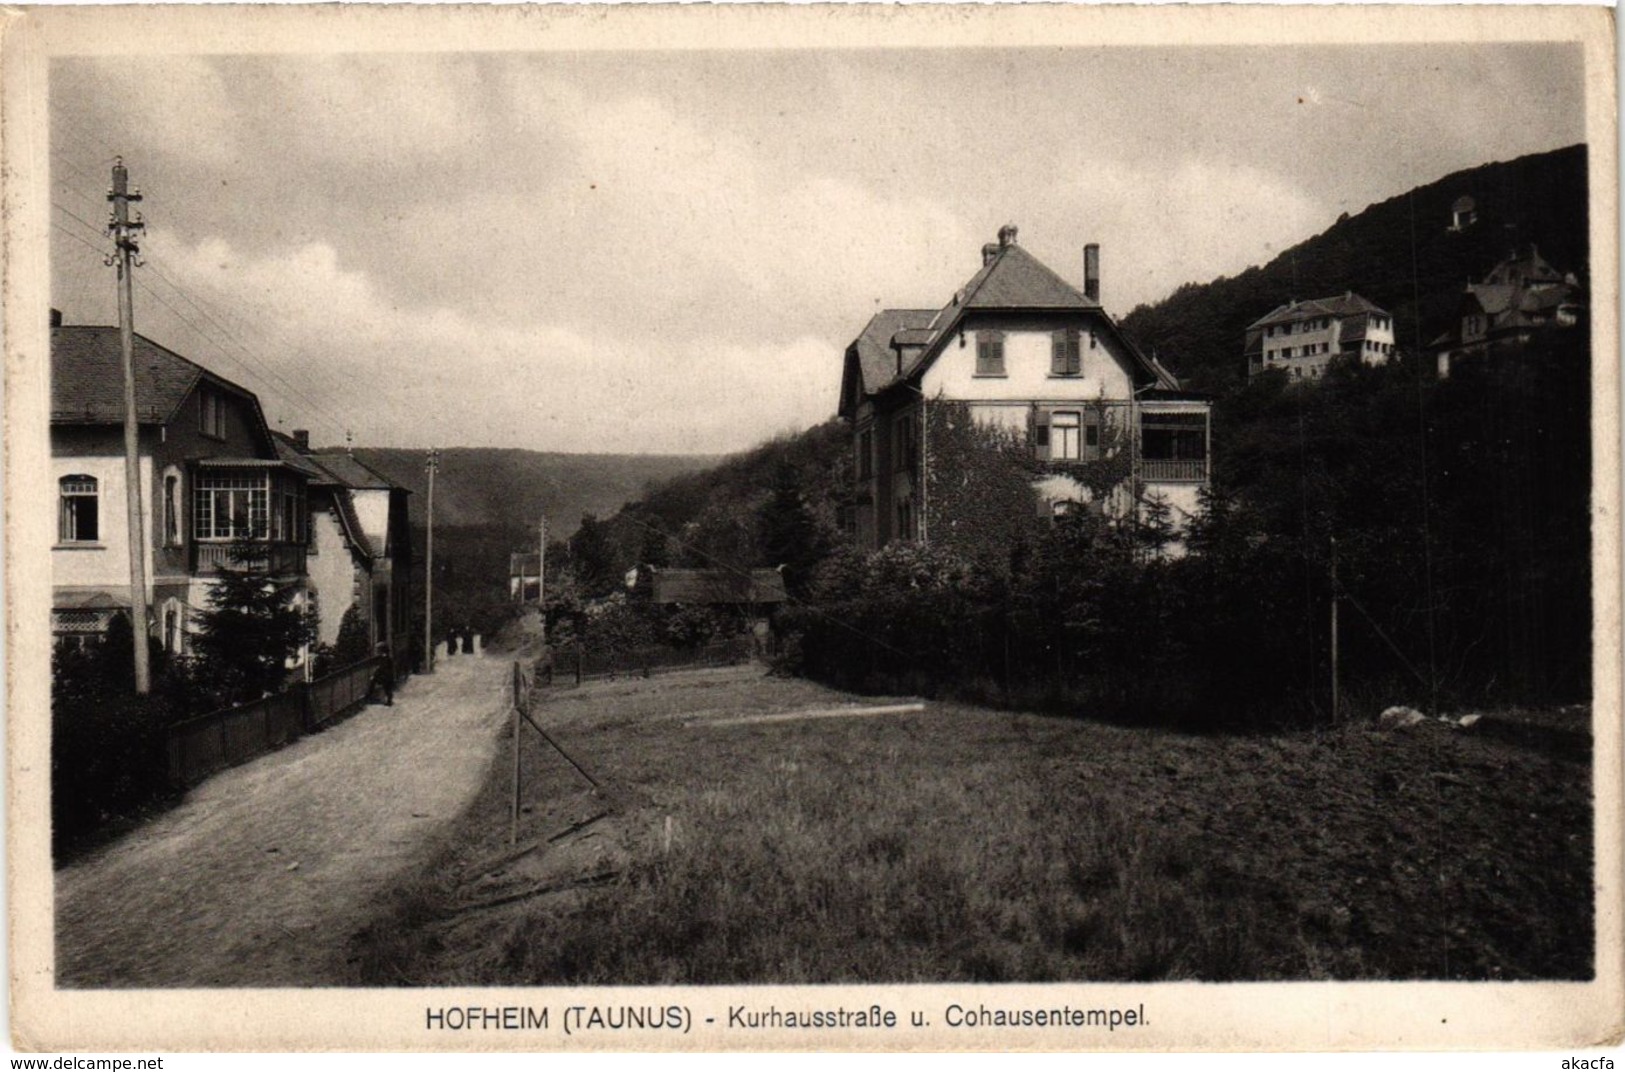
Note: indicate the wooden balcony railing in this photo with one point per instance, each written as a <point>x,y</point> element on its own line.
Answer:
<point>1173,469</point>
<point>279,559</point>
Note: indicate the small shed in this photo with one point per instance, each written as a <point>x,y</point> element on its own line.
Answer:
<point>709,587</point>
<point>524,576</point>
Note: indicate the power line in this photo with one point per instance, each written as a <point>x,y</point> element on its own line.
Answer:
<point>335,380</point>
<point>263,369</point>
<point>289,388</point>
<point>159,298</point>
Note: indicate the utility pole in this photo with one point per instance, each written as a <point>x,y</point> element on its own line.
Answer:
<point>541,573</point>
<point>125,257</point>
<point>1334,629</point>
<point>430,466</point>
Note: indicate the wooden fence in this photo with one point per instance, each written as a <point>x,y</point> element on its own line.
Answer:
<point>201,746</point>
<point>581,664</point>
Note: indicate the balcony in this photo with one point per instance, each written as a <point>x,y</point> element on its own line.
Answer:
<point>279,559</point>
<point>1173,470</point>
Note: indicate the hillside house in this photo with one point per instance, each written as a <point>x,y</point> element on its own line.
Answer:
<point>1302,337</point>
<point>1520,297</point>
<point>210,474</point>
<point>358,546</point>
<point>524,576</point>
<point>1463,213</point>
<point>1027,351</point>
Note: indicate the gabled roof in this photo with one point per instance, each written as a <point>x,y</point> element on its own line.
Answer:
<point>1009,279</point>
<point>1341,307</point>
<point>716,586</point>
<point>87,379</point>
<point>876,359</point>
<point>351,471</point>
<point>333,470</point>
<point>523,563</point>
<point>1524,270</point>
<point>1015,279</point>
<point>1493,298</point>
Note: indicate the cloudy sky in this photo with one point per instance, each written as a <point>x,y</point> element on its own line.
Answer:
<point>668,252</point>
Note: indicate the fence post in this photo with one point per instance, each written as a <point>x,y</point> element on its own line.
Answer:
<point>513,826</point>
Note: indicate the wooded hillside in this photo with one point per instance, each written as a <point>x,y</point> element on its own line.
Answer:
<point>1400,253</point>
<point>514,488</point>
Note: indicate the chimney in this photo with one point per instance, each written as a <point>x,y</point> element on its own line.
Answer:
<point>1091,272</point>
<point>1007,235</point>
<point>989,251</point>
<point>301,439</point>
<point>56,318</point>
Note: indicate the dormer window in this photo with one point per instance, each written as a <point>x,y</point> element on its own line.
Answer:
<point>211,414</point>
<point>990,353</point>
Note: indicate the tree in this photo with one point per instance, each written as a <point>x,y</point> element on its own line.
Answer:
<point>790,536</point>
<point>251,629</point>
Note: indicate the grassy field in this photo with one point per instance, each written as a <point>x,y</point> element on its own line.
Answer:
<point>960,843</point>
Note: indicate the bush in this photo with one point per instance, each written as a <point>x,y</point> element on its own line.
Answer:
<point>107,743</point>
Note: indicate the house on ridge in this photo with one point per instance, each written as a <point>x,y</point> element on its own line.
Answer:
<point>1021,349</point>
<point>1521,296</point>
<point>1302,337</point>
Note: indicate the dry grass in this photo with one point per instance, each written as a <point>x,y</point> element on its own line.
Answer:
<point>966,844</point>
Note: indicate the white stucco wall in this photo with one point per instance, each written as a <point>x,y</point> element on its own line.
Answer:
<point>105,563</point>
<point>1027,370</point>
<point>331,572</point>
<point>372,508</point>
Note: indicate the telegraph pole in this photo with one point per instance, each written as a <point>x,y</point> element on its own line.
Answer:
<point>125,257</point>
<point>430,466</point>
<point>541,572</point>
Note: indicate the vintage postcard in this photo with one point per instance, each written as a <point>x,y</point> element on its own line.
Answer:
<point>721,528</point>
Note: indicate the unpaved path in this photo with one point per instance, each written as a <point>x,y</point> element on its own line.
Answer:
<point>262,874</point>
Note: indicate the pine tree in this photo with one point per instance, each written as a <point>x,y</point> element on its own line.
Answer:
<point>251,629</point>
<point>789,534</point>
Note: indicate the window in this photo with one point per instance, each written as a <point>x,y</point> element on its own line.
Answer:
<point>866,454</point>
<point>212,413</point>
<point>905,519</point>
<point>990,353</point>
<point>174,630</point>
<point>229,506</point>
<point>172,508</point>
<point>1064,359</point>
<point>904,456</point>
<point>1064,438</point>
<point>78,518</point>
<point>1068,436</point>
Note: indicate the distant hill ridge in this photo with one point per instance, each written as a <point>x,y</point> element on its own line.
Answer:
<point>509,486</point>
<point>1198,330</point>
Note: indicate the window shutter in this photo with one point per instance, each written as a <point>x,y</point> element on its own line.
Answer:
<point>1057,353</point>
<point>1074,358</point>
<point>1041,435</point>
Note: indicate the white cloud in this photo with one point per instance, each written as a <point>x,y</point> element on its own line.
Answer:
<point>326,348</point>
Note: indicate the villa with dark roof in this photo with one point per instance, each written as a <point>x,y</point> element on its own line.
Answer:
<point>209,472</point>
<point>1024,350</point>
<point>1519,297</point>
<point>358,550</point>
<point>1302,337</point>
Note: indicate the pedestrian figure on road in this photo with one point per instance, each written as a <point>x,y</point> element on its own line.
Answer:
<point>383,679</point>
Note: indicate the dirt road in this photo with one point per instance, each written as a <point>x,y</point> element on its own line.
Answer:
<point>261,875</point>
